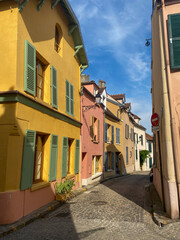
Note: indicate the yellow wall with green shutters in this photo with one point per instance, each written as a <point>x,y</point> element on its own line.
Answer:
<point>38,27</point>
<point>30,25</point>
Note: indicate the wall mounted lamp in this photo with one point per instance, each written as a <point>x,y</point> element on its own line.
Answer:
<point>97,102</point>
<point>148,42</point>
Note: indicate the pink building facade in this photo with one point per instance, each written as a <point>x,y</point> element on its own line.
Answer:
<point>92,118</point>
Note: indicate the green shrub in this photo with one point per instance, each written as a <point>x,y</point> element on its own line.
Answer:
<point>64,187</point>
<point>143,155</point>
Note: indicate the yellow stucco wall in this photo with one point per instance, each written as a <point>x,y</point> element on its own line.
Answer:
<point>38,27</point>
<point>128,143</point>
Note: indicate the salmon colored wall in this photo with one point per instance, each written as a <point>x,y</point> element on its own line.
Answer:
<point>87,144</point>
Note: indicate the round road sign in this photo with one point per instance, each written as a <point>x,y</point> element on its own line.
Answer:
<point>155,119</point>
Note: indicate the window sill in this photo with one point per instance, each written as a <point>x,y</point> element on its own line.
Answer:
<point>109,170</point>
<point>118,144</point>
<point>96,142</point>
<point>39,185</point>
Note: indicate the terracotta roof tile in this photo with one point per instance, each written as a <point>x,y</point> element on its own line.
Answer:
<point>118,96</point>
<point>149,137</point>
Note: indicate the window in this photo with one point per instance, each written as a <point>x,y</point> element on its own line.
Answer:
<point>107,132</point>
<point>95,132</point>
<point>174,40</point>
<point>69,158</point>
<point>34,72</point>
<point>136,154</point>
<point>58,37</point>
<point>117,136</point>
<point>127,160</point>
<point>141,139</point>
<point>109,161</point>
<point>69,98</point>
<point>39,155</point>
<point>33,159</point>
<point>126,131</point>
<point>96,165</point>
<point>70,161</point>
<point>40,68</point>
<point>150,148</point>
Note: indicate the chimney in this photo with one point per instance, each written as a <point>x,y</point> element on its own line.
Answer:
<point>84,78</point>
<point>102,83</point>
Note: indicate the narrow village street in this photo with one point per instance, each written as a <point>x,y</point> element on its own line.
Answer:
<point>116,209</point>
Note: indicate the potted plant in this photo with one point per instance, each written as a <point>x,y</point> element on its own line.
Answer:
<point>63,189</point>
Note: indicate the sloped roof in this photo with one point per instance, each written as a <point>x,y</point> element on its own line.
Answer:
<point>149,137</point>
<point>73,23</point>
<point>118,96</point>
<point>110,114</point>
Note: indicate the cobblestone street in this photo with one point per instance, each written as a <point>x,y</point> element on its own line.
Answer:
<point>115,209</point>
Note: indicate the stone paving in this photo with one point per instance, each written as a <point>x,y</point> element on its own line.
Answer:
<point>116,209</point>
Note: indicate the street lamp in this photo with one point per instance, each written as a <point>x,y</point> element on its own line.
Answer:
<point>97,103</point>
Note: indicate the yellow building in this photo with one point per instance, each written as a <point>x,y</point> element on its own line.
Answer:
<point>113,138</point>
<point>124,151</point>
<point>42,54</point>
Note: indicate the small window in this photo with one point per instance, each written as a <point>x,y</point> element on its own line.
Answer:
<point>58,38</point>
<point>95,130</point>
<point>40,71</point>
<point>39,155</point>
<point>69,159</point>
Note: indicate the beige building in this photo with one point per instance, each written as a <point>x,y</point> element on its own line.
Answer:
<point>166,101</point>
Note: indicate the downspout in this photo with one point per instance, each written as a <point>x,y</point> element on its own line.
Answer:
<point>169,121</point>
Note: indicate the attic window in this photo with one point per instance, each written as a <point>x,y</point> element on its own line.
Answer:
<point>58,38</point>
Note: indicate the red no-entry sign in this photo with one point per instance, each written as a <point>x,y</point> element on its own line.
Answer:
<point>155,119</point>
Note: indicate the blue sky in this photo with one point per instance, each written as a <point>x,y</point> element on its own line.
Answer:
<point>114,34</point>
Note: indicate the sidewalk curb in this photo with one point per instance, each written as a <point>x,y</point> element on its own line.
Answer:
<point>159,216</point>
<point>41,212</point>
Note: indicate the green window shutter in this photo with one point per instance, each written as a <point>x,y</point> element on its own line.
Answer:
<point>53,158</point>
<point>71,99</point>
<point>28,159</point>
<point>54,101</point>
<point>127,160</point>
<point>112,160</point>
<point>30,68</point>
<point>112,134</point>
<point>174,40</point>
<point>77,148</point>
<point>64,157</point>
<point>67,97</point>
<point>98,131</point>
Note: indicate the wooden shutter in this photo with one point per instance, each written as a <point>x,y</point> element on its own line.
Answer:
<point>71,100</point>
<point>53,158</point>
<point>105,133</point>
<point>28,160</point>
<point>64,157</point>
<point>30,69</point>
<point>67,97</point>
<point>98,131</point>
<point>174,40</point>
<point>112,134</point>
<point>127,160</point>
<point>77,148</point>
<point>117,136</point>
<point>54,87</point>
<point>92,128</point>
<point>106,161</point>
<point>112,160</point>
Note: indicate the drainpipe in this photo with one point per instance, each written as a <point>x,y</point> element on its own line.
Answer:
<point>169,123</point>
